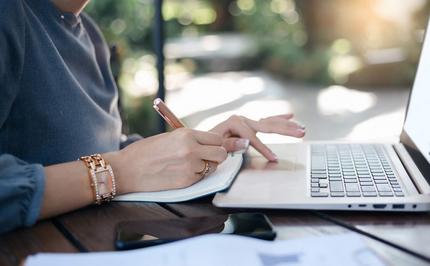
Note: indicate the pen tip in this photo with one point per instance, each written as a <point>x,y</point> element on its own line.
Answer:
<point>157,101</point>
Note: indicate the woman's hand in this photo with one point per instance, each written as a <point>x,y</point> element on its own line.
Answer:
<point>237,128</point>
<point>167,161</point>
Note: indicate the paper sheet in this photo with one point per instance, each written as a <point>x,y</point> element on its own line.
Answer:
<point>216,250</point>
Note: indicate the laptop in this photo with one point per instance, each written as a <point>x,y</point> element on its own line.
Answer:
<point>346,176</point>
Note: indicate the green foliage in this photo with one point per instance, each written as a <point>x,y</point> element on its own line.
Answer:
<point>141,117</point>
<point>125,23</point>
<point>281,37</point>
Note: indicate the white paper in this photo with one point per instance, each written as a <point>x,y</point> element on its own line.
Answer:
<point>225,250</point>
<point>217,181</point>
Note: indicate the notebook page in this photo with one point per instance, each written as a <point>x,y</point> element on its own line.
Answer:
<point>217,181</point>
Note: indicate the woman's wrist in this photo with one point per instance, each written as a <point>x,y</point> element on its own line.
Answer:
<point>115,160</point>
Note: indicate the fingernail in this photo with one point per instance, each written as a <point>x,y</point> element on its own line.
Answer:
<point>241,145</point>
<point>302,126</point>
<point>275,157</point>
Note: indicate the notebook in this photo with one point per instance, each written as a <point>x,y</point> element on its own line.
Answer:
<point>219,180</point>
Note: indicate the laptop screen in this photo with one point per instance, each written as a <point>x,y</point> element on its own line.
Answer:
<point>416,130</point>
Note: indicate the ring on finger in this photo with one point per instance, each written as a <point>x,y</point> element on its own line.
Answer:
<point>205,170</point>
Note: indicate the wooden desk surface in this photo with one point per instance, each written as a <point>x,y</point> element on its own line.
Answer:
<point>44,237</point>
<point>93,228</point>
<point>297,224</point>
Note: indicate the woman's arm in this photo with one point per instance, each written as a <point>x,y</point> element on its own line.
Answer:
<point>166,161</point>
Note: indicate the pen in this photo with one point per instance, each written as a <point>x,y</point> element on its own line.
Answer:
<point>166,114</point>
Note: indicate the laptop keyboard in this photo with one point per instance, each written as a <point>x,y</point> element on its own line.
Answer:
<point>352,170</point>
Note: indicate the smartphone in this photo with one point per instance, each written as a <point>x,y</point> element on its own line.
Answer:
<point>146,233</point>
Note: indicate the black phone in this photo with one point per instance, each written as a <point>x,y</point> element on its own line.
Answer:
<point>145,233</point>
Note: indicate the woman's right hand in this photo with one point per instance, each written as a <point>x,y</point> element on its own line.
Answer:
<point>166,161</point>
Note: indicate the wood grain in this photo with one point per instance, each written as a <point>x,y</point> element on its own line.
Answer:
<point>43,237</point>
<point>408,230</point>
<point>94,226</point>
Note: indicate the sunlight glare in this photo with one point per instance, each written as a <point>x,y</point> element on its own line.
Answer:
<point>340,100</point>
<point>385,127</point>
<point>209,92</point>
<point>211,43</point>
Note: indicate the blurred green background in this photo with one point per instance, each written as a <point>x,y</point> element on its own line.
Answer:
<point>356,43</point>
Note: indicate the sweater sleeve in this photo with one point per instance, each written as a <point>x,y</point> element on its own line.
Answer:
<point>12,49</point>
<point>21,192</point>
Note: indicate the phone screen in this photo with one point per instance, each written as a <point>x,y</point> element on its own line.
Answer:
<point>144,233</point>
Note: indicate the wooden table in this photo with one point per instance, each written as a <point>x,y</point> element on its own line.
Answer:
<point>400,239</point>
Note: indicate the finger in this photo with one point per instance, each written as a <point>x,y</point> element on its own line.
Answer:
<point>277,125</point>
<point>246,132</point>
<point>207,138</point>
<point>289,128</point>
<point>202,167</point>
<point>235,144</point>
<point>216,154</point>
<point>212,168</point>
<point>284,116</point>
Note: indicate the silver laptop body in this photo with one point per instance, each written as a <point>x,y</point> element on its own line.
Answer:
<point>345,176</point>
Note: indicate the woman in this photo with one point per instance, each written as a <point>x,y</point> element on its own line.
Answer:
<point>58,103</point>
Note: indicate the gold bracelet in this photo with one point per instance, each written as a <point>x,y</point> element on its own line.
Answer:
<point>101,177</point>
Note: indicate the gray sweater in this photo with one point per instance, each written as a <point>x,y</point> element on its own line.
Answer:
<point>58,100</point>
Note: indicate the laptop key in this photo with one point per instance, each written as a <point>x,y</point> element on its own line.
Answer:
<point>319,194</point>
<point>370,194</point>
<point>315,185</point>
<point>381,182</point>
<point>314,189</point>
<point>349,174</point>
<point>336,186</point>
<point>366,183</point>
<point>350,180</point>
<point>368,188</point>
<point>383,187</point>
<point>399,194</point>
<point>318,162</point>
<point>386,193</point>
<point>397,189</point>
<point>351,187</point>
<point>318,171</point>
<point>353,193</point>
<point>315,180</point>
<point>337,194</point>
<point>323,185</point>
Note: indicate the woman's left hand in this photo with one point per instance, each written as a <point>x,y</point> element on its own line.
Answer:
<point>237,130</point>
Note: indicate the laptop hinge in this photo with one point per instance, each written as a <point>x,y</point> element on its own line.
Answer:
<point>413,171</point>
